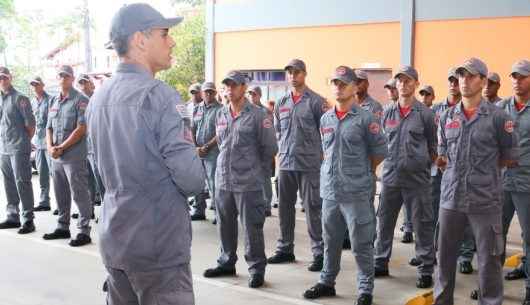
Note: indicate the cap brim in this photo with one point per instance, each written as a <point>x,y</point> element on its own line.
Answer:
<point>5,74</point>
<point>167,23</point>
<point>64,72</point>
<point>460,69</point>
<point>523,73</point>
<point>35,82</point>
<point>83,79</point>
<point>108,45</point>
<point>341,79</point>
<point>403,73</point>
<point>230,79</point>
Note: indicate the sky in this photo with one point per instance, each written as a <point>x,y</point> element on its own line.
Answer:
<point>101,11</point>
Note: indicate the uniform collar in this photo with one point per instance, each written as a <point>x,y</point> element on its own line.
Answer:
<point>446,102</point>
<point>367,100</point>
<point>246,107</point>
<point>133,68</point>
<point>512,102</point>
<point>71,95</point>
<point>215,103</point>
<point>482,107</point>
<point>355,109</point>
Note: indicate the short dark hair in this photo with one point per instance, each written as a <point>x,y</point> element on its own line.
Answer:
<point>121,43</point>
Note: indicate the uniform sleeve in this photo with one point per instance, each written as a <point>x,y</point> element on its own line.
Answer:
<point>430,132</point>
<point>178,154</point>
<point>442,140</point>
<point>24,106</point>
<point>318,109</point>
<point>48,121</point>
<point>267,139</point>
<point>377,145</point>
<point>506,137</point>
<point>276,115</point>
<point>81,106</point>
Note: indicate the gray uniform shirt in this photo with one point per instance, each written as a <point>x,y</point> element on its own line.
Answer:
<point>297,130</point>
<point>203,126</point>
<point>471,182</point>
<point>517,179</point>
<point>65,113</point>
<point>348,145</point>
<point>411,145</point>
<point>438,109</point>
<point>371,105</point>
<point>148,170</point>
<point>247,145</point>
<point>40,111</point>
<point>15,116</point>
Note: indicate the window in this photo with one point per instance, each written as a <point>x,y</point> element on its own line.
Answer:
<point>273,83</point>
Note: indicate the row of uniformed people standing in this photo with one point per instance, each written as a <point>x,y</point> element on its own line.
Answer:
<point>56,126</point>
<point>411,132</point>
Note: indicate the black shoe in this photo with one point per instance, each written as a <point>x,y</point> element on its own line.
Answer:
<point>364,299</point>
<point>27,227</point>
<point>195,217</point>
<point>191,202</point>
<point>256,281</point>
<point>346,244</point>
<point>214,221</point>
<point>319,290</point>
<point>9,225</point>
<point>56,212</point>
<point>515,274</point>
<point>80,240</point>
<point>407,238</point>
<point>474,294</point>
<point>41,208</point>
<point>219,271</point>
<point>97,202</point>
<point>76,216</point>
<point>316,264</point>
<point>212,207</point>
<point>268,213</point>
<point>415,261</point>
<point>381,272</point>
<point>275,205</point>
<point>424,281</point>
<point>281,257</point>
<point>466,268</point>
<point>302,210</point>
<point>57,234</point>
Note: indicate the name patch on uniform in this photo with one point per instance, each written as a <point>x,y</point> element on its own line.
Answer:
<point>53,110</point>
<point>325,130</point>
<point>509,126</point>
<point>374,128</point>
<point>391,123</point>
<point>284,109</point>
<point>267,123</point>
<point>453,124</point>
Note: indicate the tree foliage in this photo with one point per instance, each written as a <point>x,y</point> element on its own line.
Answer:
<point>188,54</point>
<point>189,2</point>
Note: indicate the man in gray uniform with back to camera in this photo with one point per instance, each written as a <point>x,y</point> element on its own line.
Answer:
<point>203,130</point>
<point>17,126</point>
<point>475,139</point>
<point>147,167</point>
<point>246,142</point>
<point>66,142</point>
<point>40,105</point>
<point>297,123</point>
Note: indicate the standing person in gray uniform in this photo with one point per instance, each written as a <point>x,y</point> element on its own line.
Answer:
<point>475,139</point>
<point>467,250</point>
<point>97,191</point>
<point>297,123</point>
<point>17,127</point>
<point>515,182</point>
<point>40,105</point>
<point>491,90</point>
<point>427,95</point>
<point>147,166</point>
<point>353,146</point>
<point>194,90</point>
<point>254,94</point>
<point>411,133</point>
<point>66,142</point>
<point>246,141</point>
<point>364,99</point>
<point>203,130</point>
<point>391,90</point>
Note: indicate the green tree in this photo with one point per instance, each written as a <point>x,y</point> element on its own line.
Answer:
<point>190,2</point>
<point>188,54</point>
